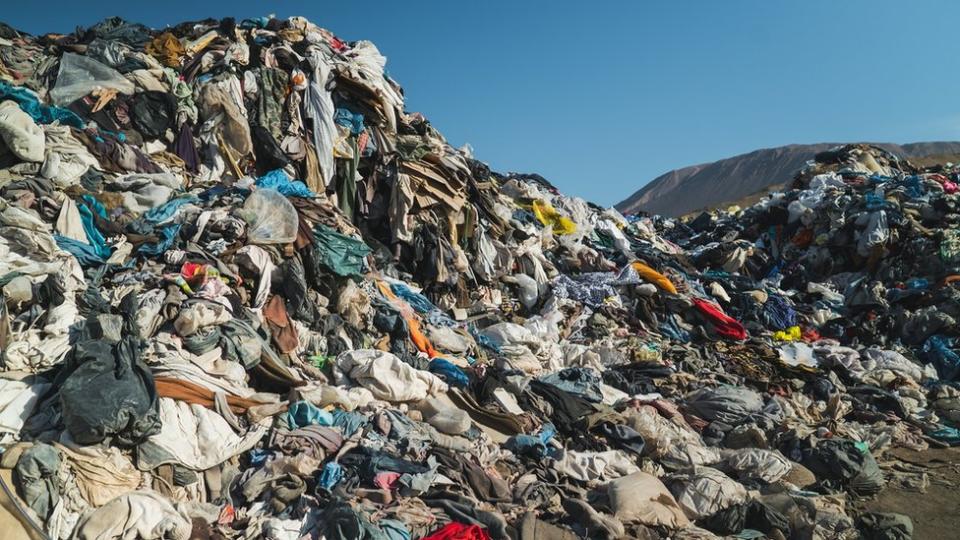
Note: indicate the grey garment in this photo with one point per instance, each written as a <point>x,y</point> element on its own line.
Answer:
<point>531,528</point>
<point>728,404</point>
<point>37,478</point>
<point>317,441</point>
<point>582,382</point>
<point>593,288</point>
<point>885,526</point>
<point>597,525</point>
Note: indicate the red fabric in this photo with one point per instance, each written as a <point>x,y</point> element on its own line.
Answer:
<point>459,531</point>
<point>723,324</point>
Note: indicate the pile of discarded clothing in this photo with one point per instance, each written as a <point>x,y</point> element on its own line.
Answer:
<point>246,294</point>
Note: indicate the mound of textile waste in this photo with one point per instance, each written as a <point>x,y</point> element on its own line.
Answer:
<point>246,294</point>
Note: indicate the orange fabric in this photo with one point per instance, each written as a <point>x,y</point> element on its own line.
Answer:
<point>181,390</point>
<point>416,335</point>
<point>654,277</point>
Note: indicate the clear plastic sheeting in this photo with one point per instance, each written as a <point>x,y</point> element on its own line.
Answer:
<point>80,76</point>
<point>271,218</point>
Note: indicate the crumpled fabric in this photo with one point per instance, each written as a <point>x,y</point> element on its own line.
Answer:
<point>386,376</point>
<point>20,135</point>
<point>194,437</point>
<point>145,515</point>
<point>705,491</point>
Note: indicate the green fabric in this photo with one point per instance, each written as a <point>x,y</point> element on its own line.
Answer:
<point>339,253</point>
<point>273,88</point>
<point>950,246</point>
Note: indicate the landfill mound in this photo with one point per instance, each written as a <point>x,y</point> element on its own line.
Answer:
<point>728,181</point>
<point>248,295</point>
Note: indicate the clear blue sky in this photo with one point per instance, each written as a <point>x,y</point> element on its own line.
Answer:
<point>601,97</point>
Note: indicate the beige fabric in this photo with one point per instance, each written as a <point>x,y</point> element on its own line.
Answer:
<point>386,376</point>
<point>140,515</point>
<point>102,472</point>
<point>643,497</point>
<point>69,223</point>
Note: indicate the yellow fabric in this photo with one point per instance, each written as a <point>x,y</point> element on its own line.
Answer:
<point>549,216</point>
<point>651,275</point>
<point>167,49</point>
<point>790,334</point>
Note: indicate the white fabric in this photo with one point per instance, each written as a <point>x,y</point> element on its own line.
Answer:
<point>759,464</point>
<point>20,134</point>
<point>17,400</point>
<point>386,376</point>
<point>139,515</point>
<point>194,437</point>
<point>587,466</point>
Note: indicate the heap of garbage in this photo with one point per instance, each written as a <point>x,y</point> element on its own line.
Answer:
<point>248,295</point>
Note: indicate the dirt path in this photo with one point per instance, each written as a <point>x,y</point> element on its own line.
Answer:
<point>935,511</point>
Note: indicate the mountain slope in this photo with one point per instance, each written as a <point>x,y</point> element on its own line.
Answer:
<point>710,185</point>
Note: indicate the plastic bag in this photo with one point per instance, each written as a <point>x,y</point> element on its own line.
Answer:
<point>80,75</point>
<point>272,218</point>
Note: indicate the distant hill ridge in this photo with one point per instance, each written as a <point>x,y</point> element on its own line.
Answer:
<point>710,185</point>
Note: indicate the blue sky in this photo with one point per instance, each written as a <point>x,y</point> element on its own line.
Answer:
<point>601,97</point>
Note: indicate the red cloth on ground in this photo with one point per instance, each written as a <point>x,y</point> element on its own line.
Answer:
<point>459,531</point>
<point>723,324</point>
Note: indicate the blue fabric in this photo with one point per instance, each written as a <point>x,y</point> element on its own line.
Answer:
<point>778,313</point>
<point>526,445</point>
<point>547,432</point>
<point>348,422</point>
<point>278,180</point>
<point>582,382</point>
<point>41,114</point>
<point>483,340</point>
<point>302,414</point>
<point>331,475</point>
<point>349,119</point>
<point>671,328</point>
<point>416,300</point>
<point>85,253</point>
<point>918,283</point>
<point>948,435</point>
<point>167,234</point>
<point>450,373</point>
<point>939,350</point>
<point>87,207</point>
<point>258,456</point>
<point>167,210</point>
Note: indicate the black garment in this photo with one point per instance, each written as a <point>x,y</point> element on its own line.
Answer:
<point>186,147</point>
<point>839,464</point>
<point>153,113</point>
<point>269,154</point>
<point>568,409</point>
<point>107,390</point>
<point>752,515</point>
<point>369,463</point>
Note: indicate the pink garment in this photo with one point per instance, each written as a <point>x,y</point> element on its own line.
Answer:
<point>386,480</point>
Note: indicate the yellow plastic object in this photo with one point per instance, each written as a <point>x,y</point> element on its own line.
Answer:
<point>790,334</point>
<point>651,275</point>
<point>548,215</point>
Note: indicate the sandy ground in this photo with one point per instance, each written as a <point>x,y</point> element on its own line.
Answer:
<point>934,509</point>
